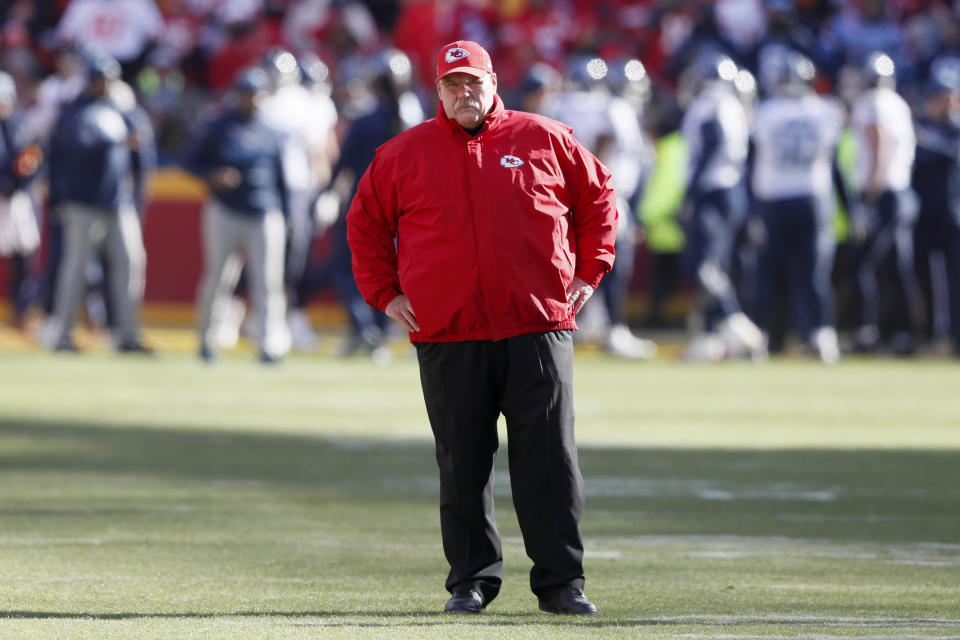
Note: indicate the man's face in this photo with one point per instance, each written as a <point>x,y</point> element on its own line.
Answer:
<point>467,98</point>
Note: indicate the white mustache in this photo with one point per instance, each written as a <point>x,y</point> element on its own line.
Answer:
<point>470,104</point>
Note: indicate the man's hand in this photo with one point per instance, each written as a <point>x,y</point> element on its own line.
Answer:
<point>577,294</point>
<point>400,310</point>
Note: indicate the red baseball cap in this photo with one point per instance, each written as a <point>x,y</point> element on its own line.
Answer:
<point>463,56</point>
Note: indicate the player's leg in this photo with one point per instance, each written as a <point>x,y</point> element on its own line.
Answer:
<point>909,313</point>
<point>544,470</point>
<point>460,393</point>
<point>128,266</point>
<point>221,269</point>
<point>952,258</point>
<point>83,230</point>
<point>761,292</point>
<point>265,257</point>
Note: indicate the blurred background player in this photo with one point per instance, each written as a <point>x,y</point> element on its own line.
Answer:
<point>795,136</point>
<point>662,198</point>
<point>850,36</point>
<point>784,34</point>
<point>100,305</point>
<point>883,124</point>
<point>394,108</point>
<point>936,179</point>
<point>93,153</point>
<point>58,89</point>
<point>300,108</point>
<point>716,131</point>
<point>241,160</point>
<point>606,123</point>
<point>19,234</point>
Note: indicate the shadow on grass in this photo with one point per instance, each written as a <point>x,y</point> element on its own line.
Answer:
<point>875,495</point>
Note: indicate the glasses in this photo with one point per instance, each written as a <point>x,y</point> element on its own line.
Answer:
<point>471,85</point>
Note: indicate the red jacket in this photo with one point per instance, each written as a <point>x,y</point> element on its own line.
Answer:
<point>490,229</point>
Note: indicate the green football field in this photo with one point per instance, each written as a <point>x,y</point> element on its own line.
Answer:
<point>162,498</point>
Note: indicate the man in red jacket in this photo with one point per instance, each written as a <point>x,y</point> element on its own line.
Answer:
<point>483,231</point>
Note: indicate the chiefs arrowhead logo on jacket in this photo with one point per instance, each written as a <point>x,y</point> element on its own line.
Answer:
<point>510,162</point>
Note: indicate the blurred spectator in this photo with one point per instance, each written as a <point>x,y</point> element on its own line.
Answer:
<point>16,41</point>
<point>124,29</point>
<point>937,37</point>
<point>424,26</point>
<point>332,29</point>
<point>182,40</point>
<point>860,29</point>
<point>543,31</point>
<point>248,38</point>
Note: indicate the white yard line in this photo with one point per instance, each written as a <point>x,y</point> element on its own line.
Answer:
<point>803,620</point>
<point>812,636</point>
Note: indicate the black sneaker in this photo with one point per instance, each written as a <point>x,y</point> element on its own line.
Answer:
<point>135,347</point>
<point>66,345</point>
<point>465,600</point>
<point>269,358</point>
<point>206,353</point>
<point>567,601</point>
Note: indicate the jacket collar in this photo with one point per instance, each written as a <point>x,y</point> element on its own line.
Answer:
<point>491,120</point>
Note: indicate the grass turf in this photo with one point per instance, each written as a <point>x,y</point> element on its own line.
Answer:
<point>167,499</point>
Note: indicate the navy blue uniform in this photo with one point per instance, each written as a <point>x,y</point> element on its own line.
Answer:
<point>793,179</point>
<point>253,148</point>
<point>90,159</point>
<point>245,216</point>
<point>936,180</point>
<point>92,175</point>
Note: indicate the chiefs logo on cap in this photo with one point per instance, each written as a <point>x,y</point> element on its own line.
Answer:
<point>455,54</point>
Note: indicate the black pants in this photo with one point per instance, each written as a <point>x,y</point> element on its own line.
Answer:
<point>708,255</point>
<point>891,298</point>
<point>529,379</point>
<point>799,247</point>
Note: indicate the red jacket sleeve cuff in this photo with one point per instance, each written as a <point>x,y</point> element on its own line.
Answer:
<point>592,272</point>
<point>384,298</point>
